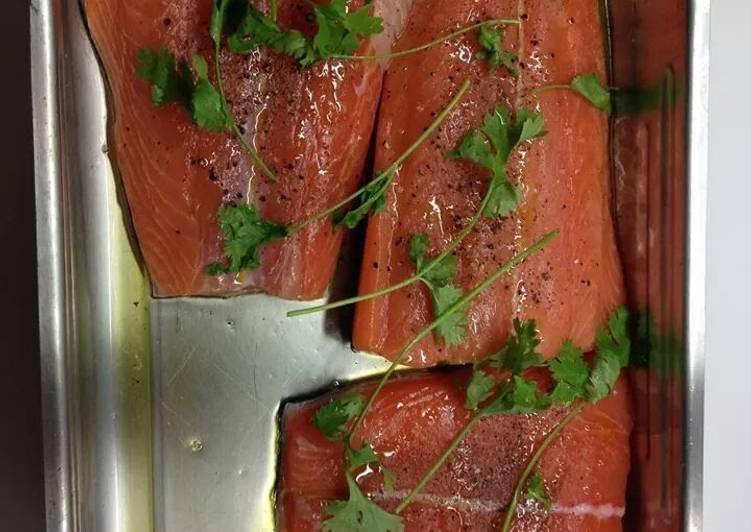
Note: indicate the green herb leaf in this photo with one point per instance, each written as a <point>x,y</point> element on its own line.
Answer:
<point>363,456</point>
<point>633,101</point>
<point>453,329</point>
<point>570,373</point>
<point>418,249</point>
<point>517,396</point>
<point>256,29</point>
<point>519,352</point>
<point>613,350</point>
<point>491,40</point>
<point>443,292</point>
<point>209,110</point>
<point>332,419</point>
<point>372,199</point>
<point>491,147</point>
<point>480,388</point>
<point>536,491</point>
<point>244,231</point>
<point>359,514</point>
<point>589,86</point>
<point>441,272</point>
<point>225,16</point>
<point>528,126</point>
<point>341,32</point>
<point>168,82</point>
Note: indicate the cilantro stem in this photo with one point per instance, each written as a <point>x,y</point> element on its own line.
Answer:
<point>273,10</point>
<point>430,44</point>
<point>233,124</point>
<point>469,297</point>
<point>438,463</point>
<point>550,438</point>
<point>387,176</point>
<point>402,284</point>
<point>550,87</point>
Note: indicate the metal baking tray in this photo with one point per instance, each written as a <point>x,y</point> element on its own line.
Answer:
<point>162,414</point>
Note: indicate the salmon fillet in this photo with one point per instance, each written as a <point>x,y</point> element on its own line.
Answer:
<point>311,127</point>
<point>412,421</point>
<point>572,285</point>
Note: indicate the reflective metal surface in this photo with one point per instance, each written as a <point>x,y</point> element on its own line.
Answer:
<point>161,414</point>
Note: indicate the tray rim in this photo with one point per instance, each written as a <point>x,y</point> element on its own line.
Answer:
<point>51,266</point>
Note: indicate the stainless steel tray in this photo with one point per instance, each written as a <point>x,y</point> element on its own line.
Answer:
<point>161,414</point>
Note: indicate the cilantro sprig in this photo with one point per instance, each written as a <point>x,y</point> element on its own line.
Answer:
<point>351,515</point>
<point>333,418</point>
<point>588,86</point>
<point>489,147</point>
<point>491,42</point>
<point>244,231</point>
<point>340,32</point>
<point>583,385</point>
<point>204,101</point>
<point>359,513</point>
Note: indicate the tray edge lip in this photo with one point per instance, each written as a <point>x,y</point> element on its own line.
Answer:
<point>51,256</point>
<point>695,287</point>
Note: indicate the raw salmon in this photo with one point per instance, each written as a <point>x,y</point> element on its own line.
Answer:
<point>411,423</point>
<point>571,286</point>
<point>312,127</point>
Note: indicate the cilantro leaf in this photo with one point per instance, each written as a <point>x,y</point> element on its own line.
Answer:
<point>359,514</point>
<point>633,101</point>
<point>602,379</point>
<point>613,350</point>
<point>490,40</point>
<point>209,110</point>
<point>570,373</point>
<point>168,82</point>
<point>443,292</point>
<point>491,146</point>
<point>339,31</point>
<point>372,199</point>
<point>519,352</point>
<point>256,29</point>
<point>332,419</point>
<point>452,329</point>
<point>480,388</point>
<point>418,248</point>
<point>536,491</point>
<point>244,231</point>
<point>225,16</point>
<point>363,456</point>
<point>589,86</point>
<point>440,272</point>
<point>517,396</point>
<point>528,126</point>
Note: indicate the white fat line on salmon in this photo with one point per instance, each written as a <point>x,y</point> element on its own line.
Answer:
<point>600,511</point>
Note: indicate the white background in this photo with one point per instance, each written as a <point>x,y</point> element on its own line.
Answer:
<point>727,444</point>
